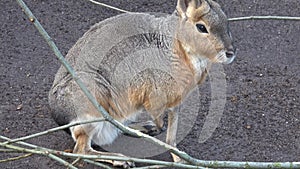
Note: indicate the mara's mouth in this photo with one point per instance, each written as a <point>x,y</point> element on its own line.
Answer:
<point>225,57</point>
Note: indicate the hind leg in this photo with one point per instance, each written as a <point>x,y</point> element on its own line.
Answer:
<point>83,146</point>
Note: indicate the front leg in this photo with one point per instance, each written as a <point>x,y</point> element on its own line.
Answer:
<point>172,131</point>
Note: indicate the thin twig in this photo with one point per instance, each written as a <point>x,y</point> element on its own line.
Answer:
<point>21,143</point>
<point>16,158</point>
<point>38,150</point>
<point>5,150</point>
<point>229,19</point>
<point>41,152</point>
<point>97,164</point>
<point>60,160</point>
<point>211,164</point>
<point>109,6</point>
<point>76,161</point>
<point>152,167</point>
<point>53,130</point>
<point>46,151</point>
<point>265,18</point>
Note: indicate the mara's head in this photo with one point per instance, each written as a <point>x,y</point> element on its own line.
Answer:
<point>203,30</point>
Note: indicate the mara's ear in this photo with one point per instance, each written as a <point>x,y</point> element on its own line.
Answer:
<point>201,9</point>
<point>192,8</point>
<point>182,7</point>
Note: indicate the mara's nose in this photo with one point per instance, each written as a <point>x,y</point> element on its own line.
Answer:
<point>230,51</point>
<point>230,54</point>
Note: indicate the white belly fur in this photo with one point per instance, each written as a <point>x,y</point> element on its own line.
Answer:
<point>101,133</point>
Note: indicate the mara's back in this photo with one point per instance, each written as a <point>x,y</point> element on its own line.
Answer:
<point>114,55</point>
<point>105,45</point>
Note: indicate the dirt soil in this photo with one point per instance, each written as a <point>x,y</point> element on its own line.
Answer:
<point>261,120</point>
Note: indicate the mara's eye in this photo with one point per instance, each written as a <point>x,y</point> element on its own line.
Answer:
<point>201,28</point>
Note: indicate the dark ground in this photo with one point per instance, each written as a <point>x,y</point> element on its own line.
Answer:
<point>261,117</point>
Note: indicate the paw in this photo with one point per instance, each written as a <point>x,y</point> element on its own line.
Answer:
<point>148,127</point>
<point>153,130</point>
<point>124,164</point>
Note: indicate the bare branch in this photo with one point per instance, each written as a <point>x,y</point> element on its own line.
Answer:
<point>97,164</point>
<point>265,18</point>
<point>152,166</point>
<point>229,19</point>
<point>16,158</point>
<point>109,6</point>
<point>53,130</point>
<point>41,152</point>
